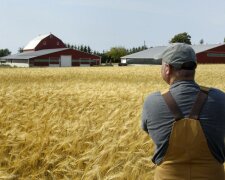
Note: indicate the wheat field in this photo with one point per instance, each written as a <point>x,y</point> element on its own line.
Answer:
<point>80,123</point>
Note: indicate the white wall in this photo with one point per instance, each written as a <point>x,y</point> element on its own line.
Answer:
<point>17,64</point>
<point>53,65</point>
<point>123,60</point>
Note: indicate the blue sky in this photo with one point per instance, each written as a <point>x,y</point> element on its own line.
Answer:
<point>102,24</point>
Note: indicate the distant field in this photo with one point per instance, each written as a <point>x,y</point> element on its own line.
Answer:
<point>80,123</point>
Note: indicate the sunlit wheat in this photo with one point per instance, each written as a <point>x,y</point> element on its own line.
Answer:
<point>80,123</point>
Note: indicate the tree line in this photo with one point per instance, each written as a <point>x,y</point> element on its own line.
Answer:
<point>111,56</point>
<point>82,48</point>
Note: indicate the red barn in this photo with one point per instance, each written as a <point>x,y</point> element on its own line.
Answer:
<point>48,50</point>
<point>211,54</point>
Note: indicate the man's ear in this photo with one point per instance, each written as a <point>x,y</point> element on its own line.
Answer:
<point>168,69</point>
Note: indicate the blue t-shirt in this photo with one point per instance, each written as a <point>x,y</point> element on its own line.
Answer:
<point>157,120</point>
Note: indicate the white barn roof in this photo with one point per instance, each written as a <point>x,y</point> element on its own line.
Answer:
<point>33,54</point>
<point>34,42</point>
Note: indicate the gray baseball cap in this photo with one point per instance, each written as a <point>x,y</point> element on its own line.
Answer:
<point>180,56</point>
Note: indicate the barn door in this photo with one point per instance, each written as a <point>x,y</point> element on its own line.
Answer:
<point>66,61</point>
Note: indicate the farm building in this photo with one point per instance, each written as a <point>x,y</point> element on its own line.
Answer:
<point>205,54</point>
<point>48,50</point>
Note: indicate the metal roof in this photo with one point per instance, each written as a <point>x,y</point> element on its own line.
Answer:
<point>204,47</point>
<point>34,42</point>
<point>153,53</point>
<point>33,54</point>
<point>150,53</point>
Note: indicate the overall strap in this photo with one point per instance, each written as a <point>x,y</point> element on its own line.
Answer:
<point>171,103</point>
<point>200,100</point>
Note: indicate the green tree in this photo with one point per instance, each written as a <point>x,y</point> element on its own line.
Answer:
<point>104,57</point>
<point>224,40</point>
<point>181,38</point>
<point>4,52</point>
<point>20,50</point>
<point>85,49</point>
<point>89,49</point>
<point>201,41</point>
<point>116,52</point>
<point>68,45</point>
<point>81,48</point>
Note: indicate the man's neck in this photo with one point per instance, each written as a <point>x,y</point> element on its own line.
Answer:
<point>172,80</point>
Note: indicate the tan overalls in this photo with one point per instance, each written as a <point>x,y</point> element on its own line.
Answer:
<point>188,156</point>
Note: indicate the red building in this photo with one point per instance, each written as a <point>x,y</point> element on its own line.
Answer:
<point>48,50</point>
<point>215,54</point>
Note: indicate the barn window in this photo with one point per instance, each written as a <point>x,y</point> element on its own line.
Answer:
<point>58,43</point>
<point>216,54</point>
<point>44,43</point>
